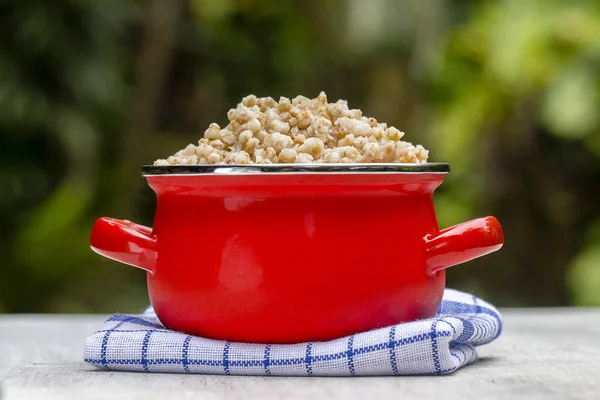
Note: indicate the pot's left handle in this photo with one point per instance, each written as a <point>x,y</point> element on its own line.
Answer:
<point>124,241</point>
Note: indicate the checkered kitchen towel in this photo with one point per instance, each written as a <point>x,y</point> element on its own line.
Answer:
<point>427,347</point>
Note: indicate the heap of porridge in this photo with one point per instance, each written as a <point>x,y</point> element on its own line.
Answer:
<point>301,130</point>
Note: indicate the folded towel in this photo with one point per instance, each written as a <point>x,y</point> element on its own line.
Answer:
<point>426,347</point>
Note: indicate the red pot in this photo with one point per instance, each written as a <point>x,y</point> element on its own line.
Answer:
<point>288,253</point>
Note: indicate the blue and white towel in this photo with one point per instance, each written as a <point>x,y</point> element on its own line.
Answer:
<point>427,347</point>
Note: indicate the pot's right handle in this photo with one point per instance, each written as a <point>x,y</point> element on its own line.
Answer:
<point>462,243</point>
<point>124,241</point>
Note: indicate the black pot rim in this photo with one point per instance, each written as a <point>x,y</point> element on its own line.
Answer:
<point>251,169</point>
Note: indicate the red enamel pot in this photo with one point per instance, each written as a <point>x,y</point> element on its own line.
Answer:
<point>292,253</point>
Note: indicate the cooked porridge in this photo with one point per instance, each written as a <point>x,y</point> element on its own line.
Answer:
<point>301,130</point>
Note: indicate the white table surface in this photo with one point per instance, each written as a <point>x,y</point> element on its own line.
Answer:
<point>542,354</point>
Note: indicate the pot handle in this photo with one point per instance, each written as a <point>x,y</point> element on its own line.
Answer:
<point>124,241</point>
<point>463,242</point>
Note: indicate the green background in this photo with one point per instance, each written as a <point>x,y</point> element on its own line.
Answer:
<point>507,92</point>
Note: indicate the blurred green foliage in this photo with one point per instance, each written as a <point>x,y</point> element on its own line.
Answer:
<point>508,92</point>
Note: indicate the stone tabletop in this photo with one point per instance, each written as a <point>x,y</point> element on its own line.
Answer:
<point>542,354</point>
